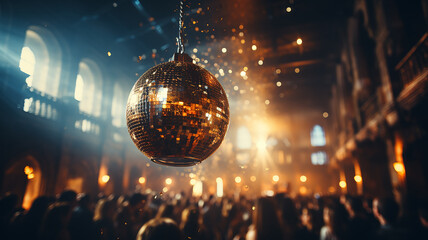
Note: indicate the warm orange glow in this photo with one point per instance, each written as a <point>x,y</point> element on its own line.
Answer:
<point>342,184</point>
<point>253,178</point>
<point>28,170</point>
<point>30,176</point>
<point>358,178</point>
<point>399,167</point>
<point>192,181</point>
<point>303,178</point>
<point>275,178</point>
<point>254,47</point>
<point>142,180</point>
<point>165,189</point>
<point>303,190</point>
<point>105,178</point>
<point>168,181</point>
<point>238,179</point>
<point>299,41</point>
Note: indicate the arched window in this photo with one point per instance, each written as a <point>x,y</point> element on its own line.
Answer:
<point>27,64</point>
<point>88,87</point>
<point>118,106</point>
<point>317,136</point>
<point>319,158</point>
<point>243,138</point>
<point>78,91</point>
<point>41,59</point>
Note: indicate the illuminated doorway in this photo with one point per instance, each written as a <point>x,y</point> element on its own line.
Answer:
<point>23,178</point>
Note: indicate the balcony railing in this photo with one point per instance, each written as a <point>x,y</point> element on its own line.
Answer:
<point>48,107</point>
<point>415,63</point>
<point>40,104</point>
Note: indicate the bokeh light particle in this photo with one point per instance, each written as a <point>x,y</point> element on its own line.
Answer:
<point>303,178</point>
<point>142,180</point>
<point>105,178</point>
<point>299,41</point>
<point>168,181</point>
<point>325,114</point>
<point>342,184</point>
<point>399,167</point>
<point>358,178</point>
<point>238,179</point>
<point>275,178</point>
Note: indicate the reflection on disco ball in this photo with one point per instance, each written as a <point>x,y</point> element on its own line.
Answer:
<point>177,113</point>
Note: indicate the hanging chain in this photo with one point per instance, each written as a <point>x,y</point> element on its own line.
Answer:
<point>180,48</point>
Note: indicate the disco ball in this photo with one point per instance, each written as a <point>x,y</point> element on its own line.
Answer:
<point>177,113</point>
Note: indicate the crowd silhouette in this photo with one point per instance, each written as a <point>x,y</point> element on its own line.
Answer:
<point>72,216</point>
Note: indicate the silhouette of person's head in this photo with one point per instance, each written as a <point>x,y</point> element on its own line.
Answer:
<point>68,196</point>
<point>386,210</point>
<point>105,209</point>
<point>56,221</point>
<point>166,211</point>
<point>84,200</point>
<point>137,200</point>
<point>354,205</point>
<point>423,216</point>
<point>266,221</point>
<point>39,206</point>
<point>159,229</point>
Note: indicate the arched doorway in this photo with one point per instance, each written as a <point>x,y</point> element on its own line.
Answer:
<point>24,178</point>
